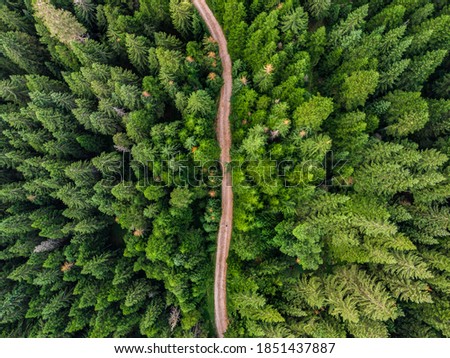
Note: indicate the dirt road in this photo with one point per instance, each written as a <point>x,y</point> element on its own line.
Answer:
<point>224,138</point>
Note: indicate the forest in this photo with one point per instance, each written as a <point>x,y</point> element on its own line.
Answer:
<point>110,182</point>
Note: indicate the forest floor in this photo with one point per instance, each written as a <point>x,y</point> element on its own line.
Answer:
<point>224,138</point>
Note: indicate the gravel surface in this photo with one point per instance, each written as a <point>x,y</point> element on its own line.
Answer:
<point>224,138</point>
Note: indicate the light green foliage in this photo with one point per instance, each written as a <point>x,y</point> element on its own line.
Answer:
<point>235,27</point>
<point>137,49</point>
<point>253,144</point>
<point>407,113</point>
<point>200,103</point>
<point>348,30</point>
<point>181,13</point>
<point>357,87</point>
<point>302,242</point>
<point>262,39</point>
<point>420,69</point>
<point>349,130</point>
<point>171,67</point>
<point>180,198</point>
<point>149,325</point>
<point>311,114</point>
<point>371,297</point>
<point>295,22</point>
<point>308,248</point>
<point>390,17</point>
<point>12,20</point>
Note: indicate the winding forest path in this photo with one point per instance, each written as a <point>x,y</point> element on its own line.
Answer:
<point>224,138</point>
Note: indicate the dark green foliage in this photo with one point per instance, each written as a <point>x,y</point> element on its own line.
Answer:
<point>110,186</point>
<point>23,50</point>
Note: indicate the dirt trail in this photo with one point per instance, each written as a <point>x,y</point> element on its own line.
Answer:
<point>224,138</point>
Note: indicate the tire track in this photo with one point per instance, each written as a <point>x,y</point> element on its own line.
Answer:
<point>224,138</point>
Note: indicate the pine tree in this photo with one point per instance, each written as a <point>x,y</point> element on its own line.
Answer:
<point>200,103</point>
<point>137,49</point>
<point>339,123</point>
<point>14,89</point>
<point>407,113</point>
<point>85,10</point>
<point>23,50</point>
<point>319,8</point>
<point>13,20</point>
<point>181,12</point>
<point>348,30</point>
<point>420,68</point>
<point>311,114</point>
<point>390,17</point>
<point>60,23</point>
<point>357,87</point>
<point>235,27</point>
<point>295,22</point>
